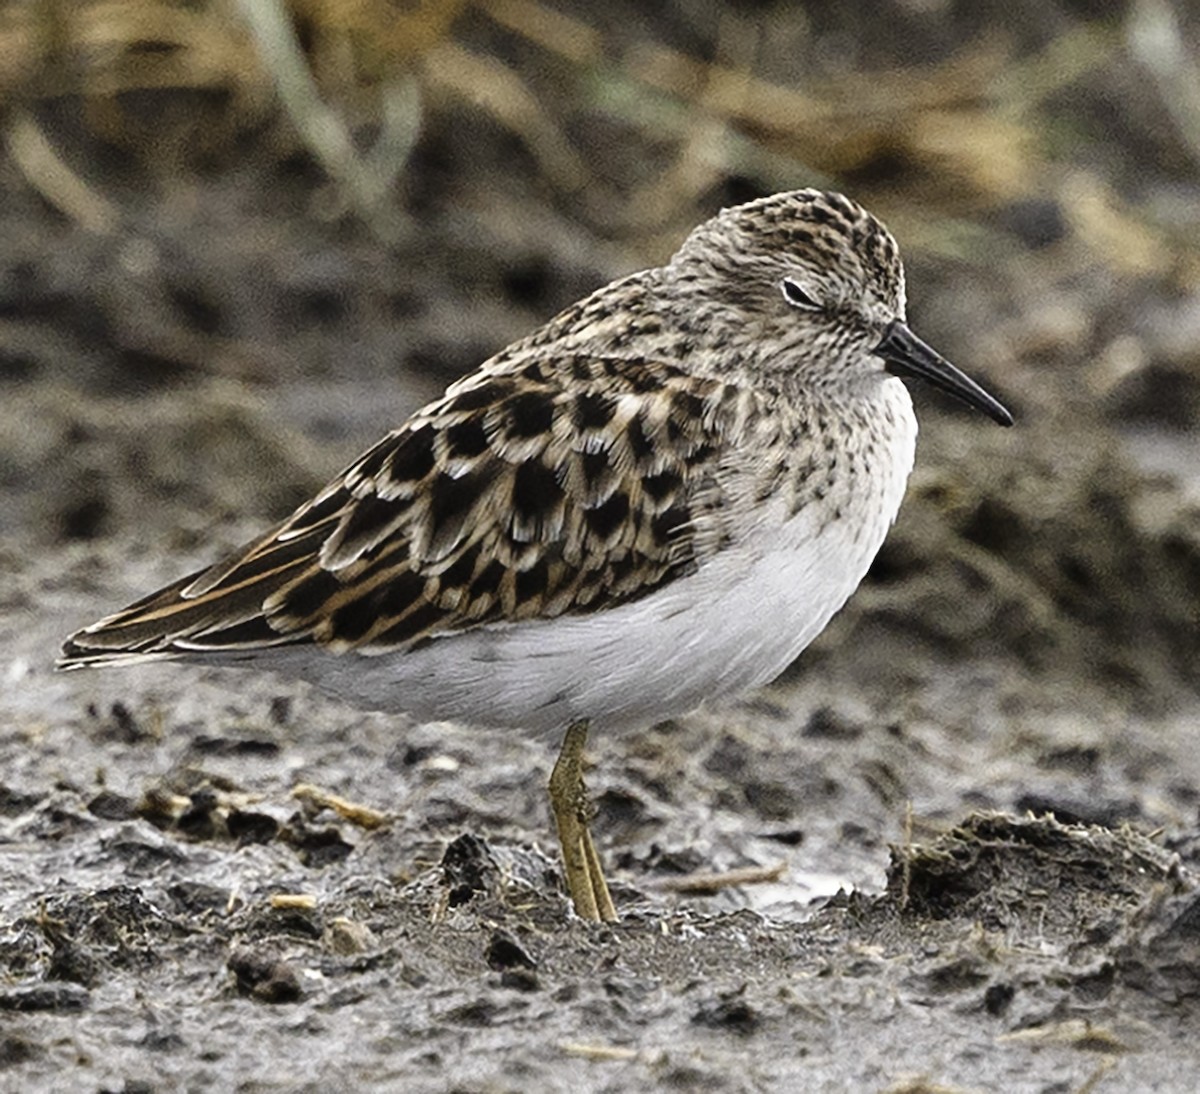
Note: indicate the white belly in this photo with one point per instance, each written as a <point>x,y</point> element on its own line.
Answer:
<point>735,623</point>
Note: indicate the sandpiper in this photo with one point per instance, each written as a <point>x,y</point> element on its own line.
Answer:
<point>659,497</point>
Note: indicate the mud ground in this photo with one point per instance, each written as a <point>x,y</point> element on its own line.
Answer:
<point>968,820</point>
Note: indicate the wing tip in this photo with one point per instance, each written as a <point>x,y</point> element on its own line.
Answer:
<point>101,646</point>
<point>75,655</point>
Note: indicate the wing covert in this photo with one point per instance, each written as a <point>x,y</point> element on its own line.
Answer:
<point>517,495</point>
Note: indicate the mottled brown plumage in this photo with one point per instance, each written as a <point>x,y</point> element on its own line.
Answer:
<point>567,486</point>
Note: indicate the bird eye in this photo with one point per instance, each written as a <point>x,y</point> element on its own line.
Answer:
<point>798,296</point>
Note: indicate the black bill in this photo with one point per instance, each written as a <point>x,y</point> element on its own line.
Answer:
<point>907,355</point>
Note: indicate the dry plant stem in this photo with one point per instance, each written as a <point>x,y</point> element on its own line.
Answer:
<point>365,180</point>
<point>569,801</point>
<point>362,815</point>
<point>587,1051</point>
<point>704,883</point>
<point>49,175</point>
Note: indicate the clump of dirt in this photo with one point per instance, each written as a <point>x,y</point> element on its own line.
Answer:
<point>1029,874</point>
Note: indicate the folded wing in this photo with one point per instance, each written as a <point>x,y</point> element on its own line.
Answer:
<point>516,496</point>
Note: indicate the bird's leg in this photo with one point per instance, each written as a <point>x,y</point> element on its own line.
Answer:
<point>572,811</point>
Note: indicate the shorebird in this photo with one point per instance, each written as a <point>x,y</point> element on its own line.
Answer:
<point>660,497</point>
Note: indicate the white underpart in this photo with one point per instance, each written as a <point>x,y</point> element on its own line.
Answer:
<point>736,623</point>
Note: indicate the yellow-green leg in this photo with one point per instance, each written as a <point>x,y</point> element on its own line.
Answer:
<point>572,811</point>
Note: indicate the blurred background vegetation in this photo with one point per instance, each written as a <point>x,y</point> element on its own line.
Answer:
<point>338,206</point>
<point>540,147</point>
